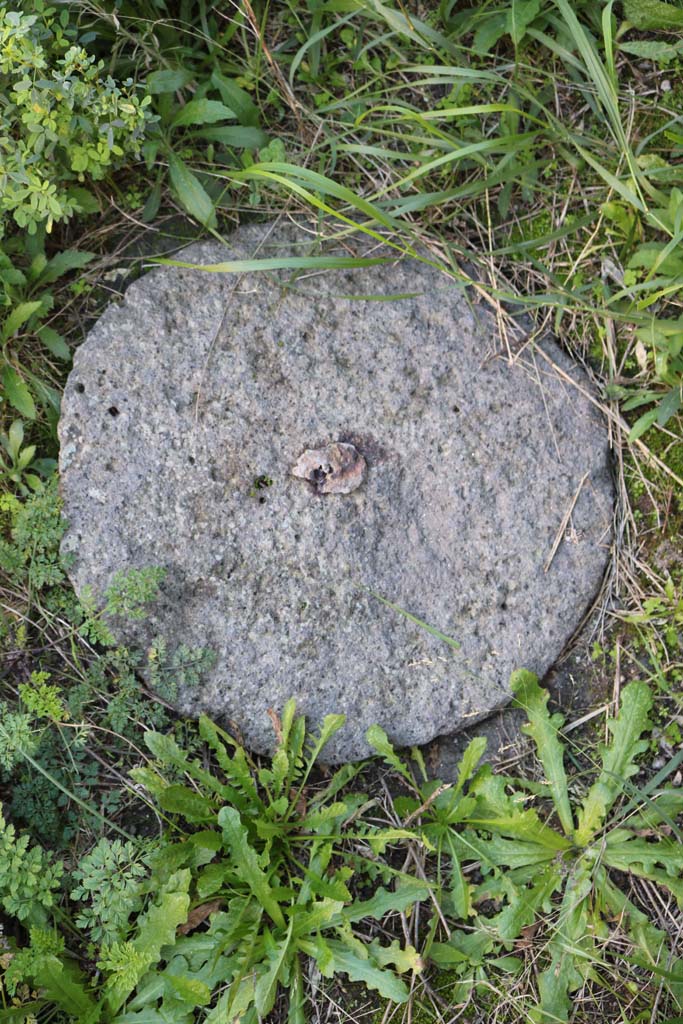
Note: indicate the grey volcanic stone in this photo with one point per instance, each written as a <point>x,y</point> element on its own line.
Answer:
<point>191,402</point>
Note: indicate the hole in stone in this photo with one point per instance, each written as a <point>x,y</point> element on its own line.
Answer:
<point>503,606</point>
<point>112,410</point>
<point>262,501</point>
<point>80,388</point>
<point>456,408</point>
<point>190,459</point>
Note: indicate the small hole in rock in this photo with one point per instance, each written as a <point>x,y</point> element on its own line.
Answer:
<point>456,408</point>
<point>112,410</point>
<point>190,459</point>
<point>80,388</point>
<point>262,501</point>
<point>503,606</point>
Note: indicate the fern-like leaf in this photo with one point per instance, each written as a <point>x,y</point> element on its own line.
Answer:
<point>618,759</point>
<point>543,729</point>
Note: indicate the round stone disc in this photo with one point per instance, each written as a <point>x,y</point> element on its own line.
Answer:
<point>472,500</point>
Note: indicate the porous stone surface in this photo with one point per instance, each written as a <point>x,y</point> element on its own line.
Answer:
<point>192,400</point>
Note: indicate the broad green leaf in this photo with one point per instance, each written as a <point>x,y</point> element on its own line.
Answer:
<point>15,439</point>
<point>320,914</point>
<point>460,890</point>
<point>152,203</point>
<point>54,342</point>
<point>64,985</point>
<point>489,32</point>
<point>168,80</point>
<point>84,200</point>
<point>288,719</point>
<point>653,14</point>
<point>48,396</point>
<point>656,256</point>
<point>618,759</point>
<point>18,317</point>
<point>150,1016</point>
<point>237,136</point>
<point>191,805</point>
<point>192,991</point>
<point>333,888</point>
<point>408,891</point>
<point>22,1013</point>
<point>660,808</point>
<point>651,49</point>
<point>334,957</point>
<point>326,818</point>
<point>520,16</point>
<point>497,851</point>
<point>642,424</point>
<point>235,835</point>
<point>464,947</point>
<point>191,192</point>
<point>380,839</point>
<point>234,1002</point>
<point>669,405</point>
<point>148,778</point>
<point>403,958</point>
<point>27,456</point>
<point>470,759</point>
<point>443,954</point>
<point>500,813</point>
<point>331,724</point>
<point>642,857</point>
<point>543,729</point>
<point>379,741</point>
<point>525,902</point>
<point>70,259</point>
<point>17,393</point>
<point>277,777</point>
<point>202,111</point>
<point>166,749</point>
<point>266,986</point>
<point>237,99</point>
<point>156,928</point>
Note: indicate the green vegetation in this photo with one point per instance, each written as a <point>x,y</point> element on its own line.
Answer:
<point>536,143</point>
<point>271,862</point>
<point>62,122</point>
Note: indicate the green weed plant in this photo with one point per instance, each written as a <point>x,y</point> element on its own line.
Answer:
<point>540,855</point>
<point>258,870</point>
<point>249,853</point>
<point>63,120</point>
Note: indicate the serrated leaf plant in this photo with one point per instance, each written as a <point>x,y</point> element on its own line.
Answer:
<point>249,880</point>
<point>568,863</point>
